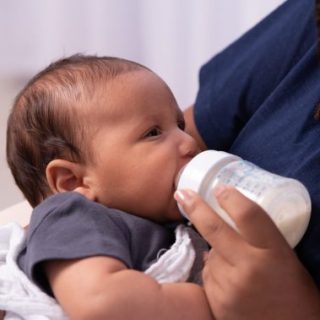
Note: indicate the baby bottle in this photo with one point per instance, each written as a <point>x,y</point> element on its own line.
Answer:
<point>285,200</point>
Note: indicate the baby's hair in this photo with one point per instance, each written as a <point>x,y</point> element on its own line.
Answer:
<point>43,124</point>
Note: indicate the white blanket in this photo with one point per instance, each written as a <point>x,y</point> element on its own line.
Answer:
<point>21,299</point>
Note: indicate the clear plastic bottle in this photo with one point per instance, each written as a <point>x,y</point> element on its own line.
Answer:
<point>286,200</point>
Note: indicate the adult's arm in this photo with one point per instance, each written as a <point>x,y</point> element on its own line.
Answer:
<point>191,127</point>
<point>252,274</point>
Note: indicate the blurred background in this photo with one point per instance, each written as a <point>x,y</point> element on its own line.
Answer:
<point>172,37</point>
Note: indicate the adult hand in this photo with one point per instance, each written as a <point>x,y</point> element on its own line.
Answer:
<point>253,273</point>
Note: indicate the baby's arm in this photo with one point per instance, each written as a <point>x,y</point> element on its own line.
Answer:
<point>103,288</point>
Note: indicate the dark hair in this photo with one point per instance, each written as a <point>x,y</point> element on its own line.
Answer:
<point>43,124</point>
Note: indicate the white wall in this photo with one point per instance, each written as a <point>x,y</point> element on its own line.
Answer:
<point>172,37</point>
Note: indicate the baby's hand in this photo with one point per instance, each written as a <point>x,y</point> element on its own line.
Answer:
<point>252,274</point>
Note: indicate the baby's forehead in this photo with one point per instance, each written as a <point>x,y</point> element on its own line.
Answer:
<point>130,88</point>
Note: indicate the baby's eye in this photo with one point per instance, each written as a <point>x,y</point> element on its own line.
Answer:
<point>153,132</point>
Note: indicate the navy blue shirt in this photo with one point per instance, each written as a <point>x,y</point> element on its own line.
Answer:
<point>68,226</point>
<point>257,99</point>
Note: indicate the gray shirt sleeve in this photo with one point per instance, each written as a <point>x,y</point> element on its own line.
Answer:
<point>68,226</point>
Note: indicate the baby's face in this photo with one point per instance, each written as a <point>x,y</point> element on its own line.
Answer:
<point>138,146</point>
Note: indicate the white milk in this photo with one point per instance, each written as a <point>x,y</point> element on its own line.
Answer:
<point>285,200</point>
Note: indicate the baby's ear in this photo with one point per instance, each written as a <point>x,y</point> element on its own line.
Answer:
<point>63,175</point>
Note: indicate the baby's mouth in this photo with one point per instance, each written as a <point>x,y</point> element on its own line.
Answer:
<point>176,180</point>
<point>178,175</point>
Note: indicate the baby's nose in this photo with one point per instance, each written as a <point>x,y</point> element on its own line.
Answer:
<point>188,146</point>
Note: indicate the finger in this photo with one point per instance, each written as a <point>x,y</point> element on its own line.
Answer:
<point>224,239</point>
<point>251,220</point>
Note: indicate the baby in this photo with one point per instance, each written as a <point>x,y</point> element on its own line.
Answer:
<point>87,137</point>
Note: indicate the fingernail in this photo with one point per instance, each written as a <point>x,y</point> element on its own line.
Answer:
<point>184,197</point>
